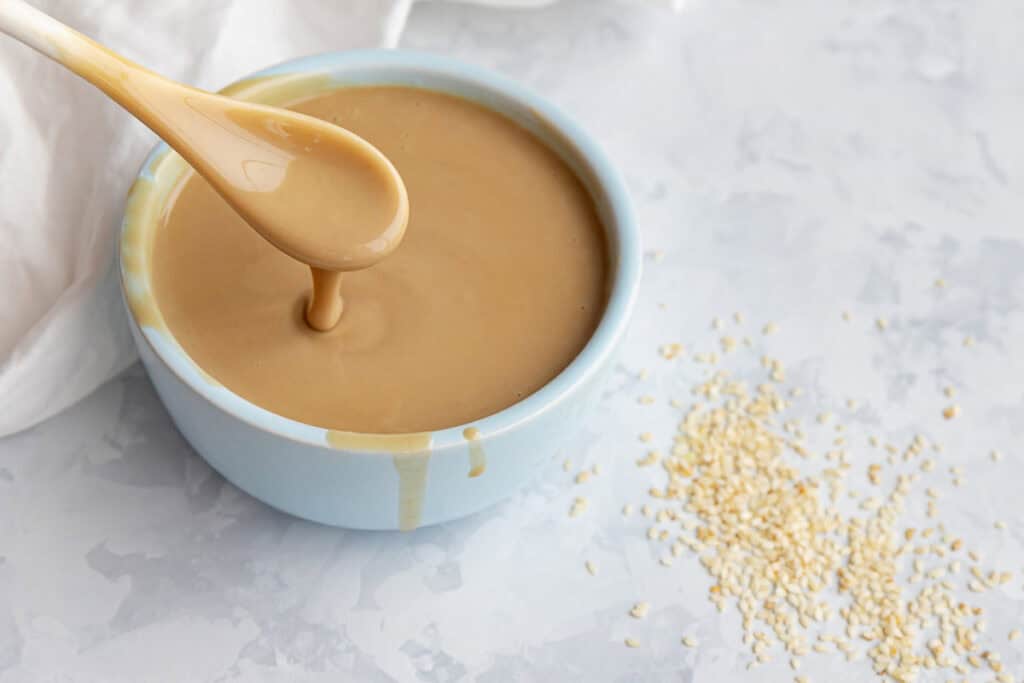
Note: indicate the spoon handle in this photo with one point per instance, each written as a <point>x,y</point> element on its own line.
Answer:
<point>132,86</point>
<point>34,28</point>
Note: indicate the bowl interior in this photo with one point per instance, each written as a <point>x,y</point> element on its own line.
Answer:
<point>290,82</point>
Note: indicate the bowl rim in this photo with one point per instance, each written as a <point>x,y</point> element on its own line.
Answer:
<point>619,224</point>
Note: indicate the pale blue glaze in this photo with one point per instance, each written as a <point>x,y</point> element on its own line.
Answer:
<point>289,464</point>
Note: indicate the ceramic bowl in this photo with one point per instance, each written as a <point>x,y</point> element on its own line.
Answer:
<point>373,481</point>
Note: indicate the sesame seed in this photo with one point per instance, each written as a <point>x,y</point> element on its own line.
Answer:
<point>951,411</point>
<point>627,509</point>
<point>770,328</point>
<point>649,459</point>
<point>583,477</point>
<point>591,568</point>
<point>646,400</point>
<point>1013,634</point>
<point>689,641</point>
<point>567,465</point>
<point>996,456</point>
<point>632,642</point>
<point>846,316</point>
<point>949,392</point>
<point>1000,525</point>
<point>968,340</point>
<point>881,323</point>
<point>646,437</point>
<point>671,351</point>
<point>940,283</point>
<point>640,610</point>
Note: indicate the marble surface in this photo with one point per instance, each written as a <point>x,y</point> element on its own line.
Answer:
<point>788,160</point>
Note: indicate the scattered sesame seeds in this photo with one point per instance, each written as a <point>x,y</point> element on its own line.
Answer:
<point>951,411</point>
<point>774,545</point>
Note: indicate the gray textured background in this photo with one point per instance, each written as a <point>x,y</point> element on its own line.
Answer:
<point>791,160</point>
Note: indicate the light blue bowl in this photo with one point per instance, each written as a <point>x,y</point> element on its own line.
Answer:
<point>366,481</point>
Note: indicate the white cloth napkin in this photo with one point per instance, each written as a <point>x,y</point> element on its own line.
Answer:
<point>68,156</point>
